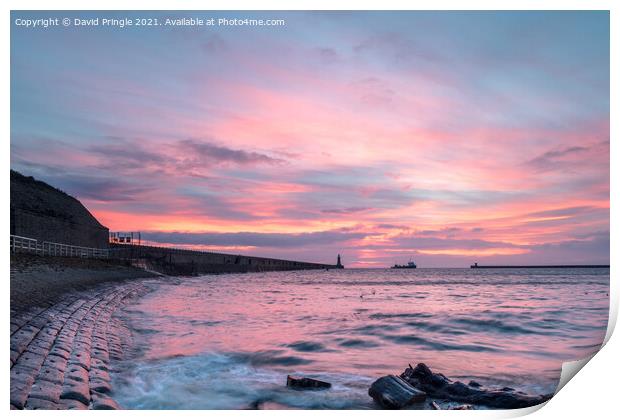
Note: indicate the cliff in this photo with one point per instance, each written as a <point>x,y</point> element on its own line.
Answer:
<point>43,212</point>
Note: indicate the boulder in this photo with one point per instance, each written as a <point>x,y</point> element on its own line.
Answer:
<point>437,385</point>
<point>306,383</point>
<point>394,393</point>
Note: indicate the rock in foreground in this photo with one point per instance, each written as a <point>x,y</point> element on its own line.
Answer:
<point>306,383</point>
<point>436,385</point>
<point>394,393</point>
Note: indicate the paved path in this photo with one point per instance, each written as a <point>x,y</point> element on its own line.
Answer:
<point>60,356</point>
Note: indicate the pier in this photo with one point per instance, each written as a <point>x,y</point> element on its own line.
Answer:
<point>176,261</point>
<point>539,266</point>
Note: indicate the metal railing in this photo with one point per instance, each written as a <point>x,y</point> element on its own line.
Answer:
<point>33,246</point>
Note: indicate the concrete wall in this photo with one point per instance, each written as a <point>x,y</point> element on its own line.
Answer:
<point>186,262</point>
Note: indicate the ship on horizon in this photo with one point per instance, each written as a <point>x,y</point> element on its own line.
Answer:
<point>410,264</point>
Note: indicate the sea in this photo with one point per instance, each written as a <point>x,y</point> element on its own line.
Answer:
<point>229,341</point>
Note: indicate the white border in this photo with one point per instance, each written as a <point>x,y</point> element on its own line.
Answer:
<point>593,394</point>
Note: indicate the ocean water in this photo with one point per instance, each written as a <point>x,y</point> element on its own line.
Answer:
<point>229,341</point>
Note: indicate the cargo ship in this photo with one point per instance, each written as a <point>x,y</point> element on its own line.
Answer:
<point>410,264</point>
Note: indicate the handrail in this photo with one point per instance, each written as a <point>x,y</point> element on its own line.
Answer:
<point>34,246</point>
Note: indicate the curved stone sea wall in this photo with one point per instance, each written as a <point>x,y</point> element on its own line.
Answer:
<point>60,355</point>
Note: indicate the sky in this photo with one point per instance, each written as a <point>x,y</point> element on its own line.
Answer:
<point>444,137</point>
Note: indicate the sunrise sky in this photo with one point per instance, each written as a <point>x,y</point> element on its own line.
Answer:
<point>444,137</point>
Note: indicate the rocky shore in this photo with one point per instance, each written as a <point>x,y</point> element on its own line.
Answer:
<point>420,386</point>
<point>63,331</point>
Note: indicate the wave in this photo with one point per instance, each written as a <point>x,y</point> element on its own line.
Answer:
<point>487,325</point>
<point>307,346</point>
<point>440,345</point>
<point>228,381</point>
<point>358,343</point>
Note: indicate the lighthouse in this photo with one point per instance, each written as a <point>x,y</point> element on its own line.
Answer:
<point>339,264</point>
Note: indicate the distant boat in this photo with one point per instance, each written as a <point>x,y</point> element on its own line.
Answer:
<point>410,264</point>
